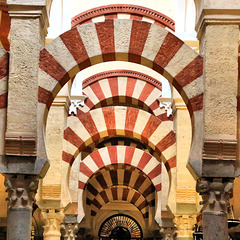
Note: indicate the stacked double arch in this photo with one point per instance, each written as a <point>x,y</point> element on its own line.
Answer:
<point>120,105</point>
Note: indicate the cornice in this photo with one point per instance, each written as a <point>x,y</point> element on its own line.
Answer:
<point>122,73</point>
<point>123,8</point>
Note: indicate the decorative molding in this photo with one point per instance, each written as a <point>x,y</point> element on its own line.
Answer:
<point>21,190</point>
<point>186,195</point>
<point>51,192</point>
<point>215,193</point>
<point>20,144</point>
<point>122,73</point>
<point>33,10</point>
<point>159,18</point>
<point>219,149</point>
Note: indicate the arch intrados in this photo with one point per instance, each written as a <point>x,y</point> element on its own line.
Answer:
<point>127,103</point>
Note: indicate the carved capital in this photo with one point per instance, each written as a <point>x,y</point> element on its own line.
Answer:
<point>52,219</point>
<point>167,233</point>
<point>184,225</point>
<point>21,190</point>
<point>215,194</point>
<point>70,230</point>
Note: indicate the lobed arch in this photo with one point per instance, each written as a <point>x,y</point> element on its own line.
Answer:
<point>134,11</point>
<point>124,40</point>
<point>115,155</point>
<point>123,87</point>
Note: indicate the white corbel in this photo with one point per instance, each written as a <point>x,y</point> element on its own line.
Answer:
<point>166,103</point>
<point>76,103</point>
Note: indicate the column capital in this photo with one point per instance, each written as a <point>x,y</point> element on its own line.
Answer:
<point>52,219</point>
<point>184,224</point>
<point>216,12</point>
<point>215,193</point>
<point>30,9</point>
<point>21,190</point>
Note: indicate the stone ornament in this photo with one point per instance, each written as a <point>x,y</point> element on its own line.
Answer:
<point>21,190</point>
<point>215,194</point>
<point>167,233</point>
<point>184,225</point>
<point>70,230</point>
<point>52,219</point>
<point>166,103</point>
<point>76,103</point>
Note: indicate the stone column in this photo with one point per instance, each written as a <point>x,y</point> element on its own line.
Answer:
<point>217,26</point>
<point>184,225</point>
<point>215,193</point>
<point>52,219</point>
<point>21,191</point>
<point>70,227</point>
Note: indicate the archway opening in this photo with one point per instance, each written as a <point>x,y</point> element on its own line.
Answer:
<point>120,226</point>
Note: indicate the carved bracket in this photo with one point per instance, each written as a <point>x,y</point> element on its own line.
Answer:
<point>76,103</point>
<point>166,103</point>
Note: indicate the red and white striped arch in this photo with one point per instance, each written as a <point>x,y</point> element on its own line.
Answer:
<point>116,11</point>
<point>123,86</point>
<point>112,121</point>
<point>3,96</point>
<point>3,78</point>
<point>121,155</point>
<point>103,157</point>
<point>124,40</point>
<point>120,193</point>
<point>120,182</point>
